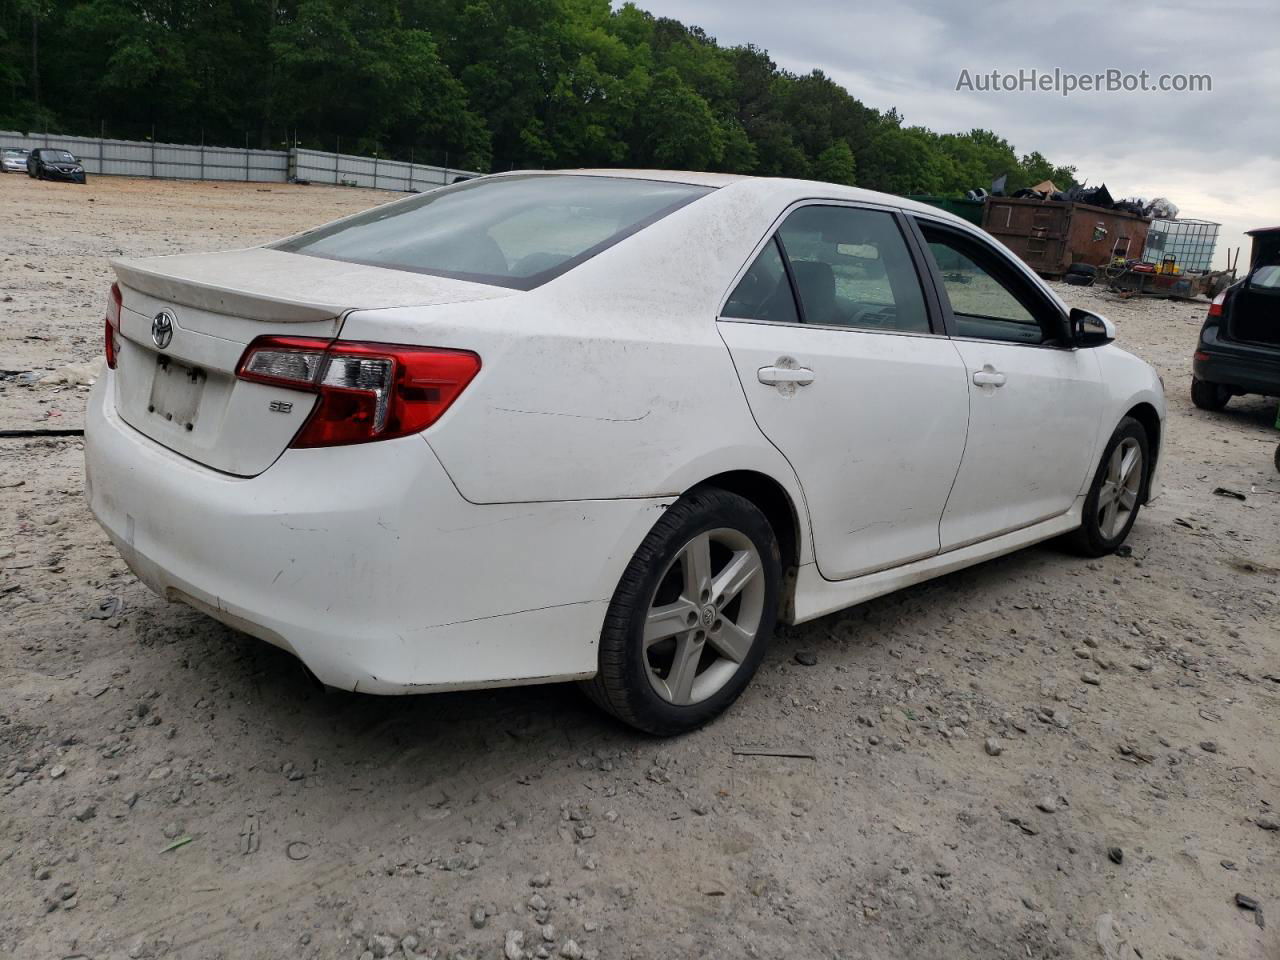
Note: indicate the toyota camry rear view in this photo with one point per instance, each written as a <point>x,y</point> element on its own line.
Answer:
<point>600,426</point>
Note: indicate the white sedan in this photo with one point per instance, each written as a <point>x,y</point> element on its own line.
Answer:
<point>601,426</point>
<point>14,161</point>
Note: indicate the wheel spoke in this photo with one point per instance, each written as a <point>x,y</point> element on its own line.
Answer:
<point>1106,493</point>
<point>1108,521</point>
<point>1113,466</point>
<point>731,641</point>
<point>684,668</point>
<point>668,620</point>
<point>697,568</point>
<point>738,572</point>
<point>1131,458</point>
<point>1128,498</point>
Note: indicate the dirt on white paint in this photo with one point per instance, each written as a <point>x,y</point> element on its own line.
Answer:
<point>1039,757</point>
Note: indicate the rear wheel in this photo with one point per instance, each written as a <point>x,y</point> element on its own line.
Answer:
<point>692,616</point>
<point>1115,496</point>
<point>1209,396</point>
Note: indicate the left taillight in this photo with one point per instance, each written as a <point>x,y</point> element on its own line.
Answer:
<point>112,320</point>
<point>367,391</point>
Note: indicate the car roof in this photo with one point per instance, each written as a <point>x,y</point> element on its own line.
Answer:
<point>697,178</point>
<point>784,189</point>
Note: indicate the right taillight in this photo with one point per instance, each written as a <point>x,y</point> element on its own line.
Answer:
<point>112,320</point>
<point>367,391</point>
<point>1215,308</point>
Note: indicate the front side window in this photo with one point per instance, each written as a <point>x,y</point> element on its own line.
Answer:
<point>518,231</point>
<point>986,302</point>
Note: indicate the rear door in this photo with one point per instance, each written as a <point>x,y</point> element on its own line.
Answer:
<point>834,341</point>
<point>1035,403</point>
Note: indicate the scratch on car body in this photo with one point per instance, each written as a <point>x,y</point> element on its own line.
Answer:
<point>575,416</point>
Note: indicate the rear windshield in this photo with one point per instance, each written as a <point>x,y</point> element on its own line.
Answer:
<point>517,231</point>
<point>1266,278</point>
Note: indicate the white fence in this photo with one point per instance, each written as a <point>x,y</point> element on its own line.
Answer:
<point>382,174</point>
<point>179,161</point>
<point>135,158</point>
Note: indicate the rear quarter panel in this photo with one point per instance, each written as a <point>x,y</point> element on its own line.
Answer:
<point>610,381</point>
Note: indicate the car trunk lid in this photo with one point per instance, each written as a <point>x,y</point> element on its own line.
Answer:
<point>185,322</point>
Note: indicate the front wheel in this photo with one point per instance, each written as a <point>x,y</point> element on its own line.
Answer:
<point>1209,396</point>
<point>692,616</point>
<point>1115,496</point>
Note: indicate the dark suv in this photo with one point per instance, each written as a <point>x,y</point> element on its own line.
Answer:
<point>1239,349</point>
<point>51,163</point>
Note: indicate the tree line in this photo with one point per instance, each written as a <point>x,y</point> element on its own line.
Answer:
<point>482,84</point>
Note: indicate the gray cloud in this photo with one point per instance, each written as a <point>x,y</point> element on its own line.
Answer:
<point>1215,154</point>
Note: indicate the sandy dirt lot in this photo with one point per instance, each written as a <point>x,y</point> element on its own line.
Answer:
<point>1133,704</point>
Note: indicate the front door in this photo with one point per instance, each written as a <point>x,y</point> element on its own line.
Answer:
<point>1035,404</point>
<point>845,374</point>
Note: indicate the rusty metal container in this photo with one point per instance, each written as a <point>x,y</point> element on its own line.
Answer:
<point>1050,235</point>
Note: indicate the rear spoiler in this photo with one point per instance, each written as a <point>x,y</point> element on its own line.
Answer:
<point>224,283</point>
<point>277,286</point>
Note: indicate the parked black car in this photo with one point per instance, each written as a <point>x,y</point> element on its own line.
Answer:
<point>51,163</point>
<point>1239,349</point>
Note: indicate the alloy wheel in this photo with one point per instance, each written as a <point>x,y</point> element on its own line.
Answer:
<point>1118,496</point>
<point>704,616</point>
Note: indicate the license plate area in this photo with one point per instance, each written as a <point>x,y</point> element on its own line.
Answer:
<point>175,392</point>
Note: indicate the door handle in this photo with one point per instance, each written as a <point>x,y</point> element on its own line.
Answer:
<point>988,376</point>
<point>775,376</point>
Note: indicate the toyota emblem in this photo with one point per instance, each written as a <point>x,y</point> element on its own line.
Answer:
<point>162,329</point>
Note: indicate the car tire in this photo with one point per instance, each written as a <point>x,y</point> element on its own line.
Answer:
<point>665,604</point>
<point>1117,493</point>
<point>1209,396</point>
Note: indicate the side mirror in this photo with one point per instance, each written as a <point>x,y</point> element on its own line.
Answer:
<point>1090,329</point>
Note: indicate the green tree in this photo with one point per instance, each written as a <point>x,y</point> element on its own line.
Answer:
<point>679,128</point>
<point>488,84</point>
<point>836,164</point>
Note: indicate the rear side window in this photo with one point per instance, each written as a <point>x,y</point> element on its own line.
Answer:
<point>764,292</point>
<point>515,232</point>
<point>852,268</point>
<point>847,267</point>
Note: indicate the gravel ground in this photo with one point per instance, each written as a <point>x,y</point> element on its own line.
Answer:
<point>1038,757</point>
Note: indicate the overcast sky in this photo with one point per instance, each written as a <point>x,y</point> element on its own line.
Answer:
<point>1215,154</point>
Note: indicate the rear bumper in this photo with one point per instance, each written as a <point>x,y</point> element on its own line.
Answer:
<point>364,561</point>
<point>1248,369</point>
